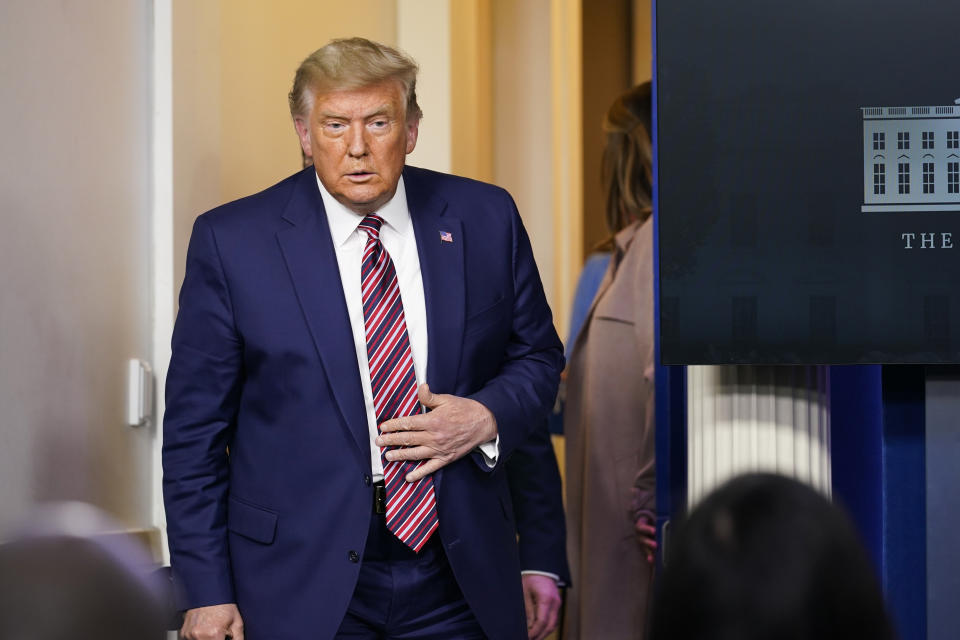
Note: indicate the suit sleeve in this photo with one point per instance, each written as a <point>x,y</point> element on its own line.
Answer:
<point>534,479</point>
<point>202,397</point>
<point>522,393</point>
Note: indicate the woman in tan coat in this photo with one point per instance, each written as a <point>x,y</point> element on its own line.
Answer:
<point>608,417</point>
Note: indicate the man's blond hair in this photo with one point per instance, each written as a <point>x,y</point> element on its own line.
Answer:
<point>353,63</point>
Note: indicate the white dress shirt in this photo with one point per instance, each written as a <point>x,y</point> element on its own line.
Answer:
<point>398,239</point>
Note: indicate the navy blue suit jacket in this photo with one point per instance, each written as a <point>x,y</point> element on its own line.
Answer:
<point>535,488</point>
<point>264,367</point>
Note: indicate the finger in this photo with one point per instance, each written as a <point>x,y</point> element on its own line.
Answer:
<point>192,630</point>
<point>427,398</point>
<point>401,439</point>
<point>537,631</point>
<point>406,423</point>
<point>236,629</point>
<point>410,453</point>
<point>647,529</point>
<point>530,608</point>
<point>549,617</point>
<point>424,470</point>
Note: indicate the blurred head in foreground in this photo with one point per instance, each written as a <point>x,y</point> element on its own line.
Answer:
<point>64,579</point>
<point>768,558</point>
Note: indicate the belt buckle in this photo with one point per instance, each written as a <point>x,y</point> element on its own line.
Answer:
<point>379,498</point>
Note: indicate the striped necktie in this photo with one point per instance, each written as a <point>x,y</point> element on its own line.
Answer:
<point>411,507</point>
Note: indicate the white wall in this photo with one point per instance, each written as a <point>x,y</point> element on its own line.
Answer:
<point>74,253</point>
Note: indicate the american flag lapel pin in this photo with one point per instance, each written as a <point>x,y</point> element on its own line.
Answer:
<point>446,236</point>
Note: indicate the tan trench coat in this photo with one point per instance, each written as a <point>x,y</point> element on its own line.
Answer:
<point>609,432</point>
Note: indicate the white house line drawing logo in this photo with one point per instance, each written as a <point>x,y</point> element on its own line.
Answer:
<point>911,158</point>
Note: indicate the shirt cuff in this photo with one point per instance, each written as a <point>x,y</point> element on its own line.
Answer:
<point>491,451</point>
<point>534,572</point>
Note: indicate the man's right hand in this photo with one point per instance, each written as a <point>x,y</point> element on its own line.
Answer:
<point>212,623</point>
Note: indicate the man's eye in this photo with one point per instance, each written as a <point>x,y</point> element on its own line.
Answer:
<point>378,124</point>
<point>334,126</point>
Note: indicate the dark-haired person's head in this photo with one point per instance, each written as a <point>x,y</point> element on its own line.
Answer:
<point>765,557</point>
<point>627,168</point>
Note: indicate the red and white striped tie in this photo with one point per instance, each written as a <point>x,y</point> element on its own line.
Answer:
<point>411,507</point>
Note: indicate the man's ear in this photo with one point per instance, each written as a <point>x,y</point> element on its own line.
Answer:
<point>303,133</point>
<point>413,130</point>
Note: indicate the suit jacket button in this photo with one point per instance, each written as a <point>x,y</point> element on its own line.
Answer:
<point>354,556</point>
<point>367,480</point>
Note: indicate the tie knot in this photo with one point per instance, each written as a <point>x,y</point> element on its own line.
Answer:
<point>371,224</point>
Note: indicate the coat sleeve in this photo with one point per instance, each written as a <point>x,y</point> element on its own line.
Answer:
<point>202,398</point>
<point>644,494</point>
<point>534,479</point>
<point>522,393</point>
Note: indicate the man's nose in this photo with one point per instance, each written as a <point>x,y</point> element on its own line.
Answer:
<point>357,142</point>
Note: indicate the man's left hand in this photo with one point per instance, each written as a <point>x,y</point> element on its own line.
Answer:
<point>541,597</point>
<point>452,428</point>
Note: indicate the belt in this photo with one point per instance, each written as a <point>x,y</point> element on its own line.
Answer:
<point>379,497</point>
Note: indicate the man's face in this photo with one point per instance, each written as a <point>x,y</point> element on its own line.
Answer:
<point>359,139</point>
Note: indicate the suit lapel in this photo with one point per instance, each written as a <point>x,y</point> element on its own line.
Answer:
<point>309,254</point>
<point>441,268</point>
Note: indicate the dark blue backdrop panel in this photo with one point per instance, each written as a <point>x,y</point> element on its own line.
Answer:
<point>764,173</point>
<point>877,421</point>
<point>856,432</point>
<point>904,499</point>
<point>671,391</point>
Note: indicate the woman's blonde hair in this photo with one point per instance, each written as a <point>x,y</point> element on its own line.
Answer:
<point>627,168</point>
<point>352,63</point>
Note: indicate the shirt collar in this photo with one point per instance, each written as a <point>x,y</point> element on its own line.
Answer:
<point>343,221</point>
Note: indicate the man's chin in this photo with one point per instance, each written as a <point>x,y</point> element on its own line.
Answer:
<point>364,203</point>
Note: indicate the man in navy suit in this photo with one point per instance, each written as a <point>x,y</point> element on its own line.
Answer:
<point>359,350</point>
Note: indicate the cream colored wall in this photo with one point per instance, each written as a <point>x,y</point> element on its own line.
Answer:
<point>423,31</point>
<point>261,45</point>
<point>523,118</point>
<point>471,89</point>
<point>486,67</point>
<point>233,65</point>
<point>197,154</point>
<point>566,66</point>
<point>234,61</point>
<point>642,40</point>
